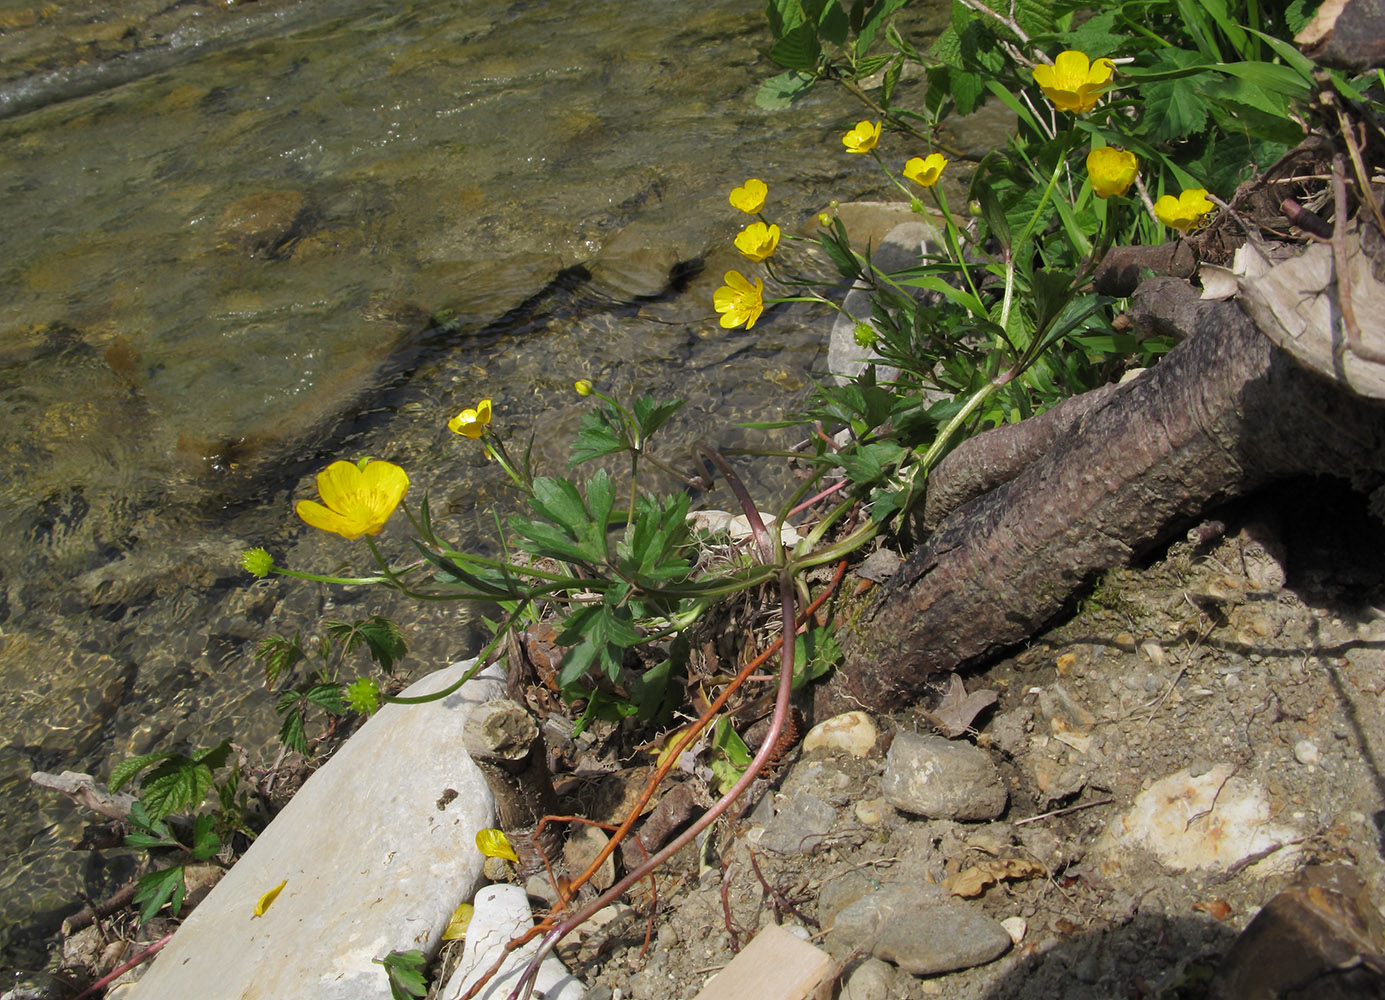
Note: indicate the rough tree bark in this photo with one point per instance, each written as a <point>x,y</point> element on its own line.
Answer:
<point>1223,414</point>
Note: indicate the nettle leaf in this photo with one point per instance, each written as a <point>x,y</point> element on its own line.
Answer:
<point>878,15</point>
<point>1174,108</point>
<point>1099,35</point>
<point>177,784</point>
<point>131,766</point>
<point>291,731</point>
<point>160,887</point>
<point>205,842</point>
<point>215,757</point>
<point>798,49</point>
<point>1035,17</point>
<point>385,640</point>
<point>279,656</point>
<point>328,697</point>
<point>779,92</point>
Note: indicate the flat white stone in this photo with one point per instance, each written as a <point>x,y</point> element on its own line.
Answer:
<point>376,852</point>
<point>1211,821</point>
<point>502,913</point>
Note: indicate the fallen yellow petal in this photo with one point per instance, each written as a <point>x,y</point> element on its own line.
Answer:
<point>493,844</point>
<point>268,898</point>
<point>458,922</point>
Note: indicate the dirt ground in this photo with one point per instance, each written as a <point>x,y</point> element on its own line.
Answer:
<point>1254,645</point>
<point>1245,664</point>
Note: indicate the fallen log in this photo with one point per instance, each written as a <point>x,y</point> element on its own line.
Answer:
<point>1222,415</point>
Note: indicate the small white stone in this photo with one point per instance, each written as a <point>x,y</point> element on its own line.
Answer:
<point>851,732</point>
<point>1306,752</point>
<point>870,812</point>
<point>1015,927</point>
<point>502,913</point>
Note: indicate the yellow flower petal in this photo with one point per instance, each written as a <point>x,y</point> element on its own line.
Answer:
<point>356,500</point>
<point>458,922</point>
<point>267,900</point>
<point>1186,212</point>
<point>758,241</point>
<point>862,138</point>
<point>1073,83</point>
<point>738,301</point>
<point>472,423</point>
<point>494,844</point>
<point>925,171</point>
<point>1111,170</point>
<point>750,196</point>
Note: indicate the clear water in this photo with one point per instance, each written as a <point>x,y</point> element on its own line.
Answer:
<point>271,235</point>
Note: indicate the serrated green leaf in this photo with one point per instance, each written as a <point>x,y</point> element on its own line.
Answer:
<point>205,842</point>
<point>157,888</point>
<point>779,92</point>
<point>278,656</point>
<point>877,17</point>
<point>131,766</point>
<point>598,434</point>
<point>291,731</point>
<point>215,757</point>
<point>328,697</point>
<point>1174,109</point>
<point>798,49</point>
<point>385,641</point>
<point>833,23</point>
<point>175,785</point>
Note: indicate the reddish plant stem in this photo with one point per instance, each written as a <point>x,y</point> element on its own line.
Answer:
<point>124,967</point>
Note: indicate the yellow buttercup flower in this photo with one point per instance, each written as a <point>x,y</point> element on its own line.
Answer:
<point>862,138</point>
<point>472,423</point>
<point>1111,170</point>
<point>358,499</point>
<point>1072,83</point>
<point>1186,212</point>
<point>493,844</point>
<point>758,241</point>
<point>739,301</point>
<point>925,170</point>
<point>582,387</point>
<point>750,196</point>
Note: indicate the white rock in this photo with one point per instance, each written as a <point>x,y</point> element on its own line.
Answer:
<point>738,526</point>
<point>1212,821</point>
<point>502,913</point>
<point>1016,927</point>
<point>370,861</point>
<point>1307,752</point>
<point>852,732</point>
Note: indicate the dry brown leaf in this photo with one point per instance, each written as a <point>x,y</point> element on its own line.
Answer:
<point>973,881</point>
<point>958,709</point>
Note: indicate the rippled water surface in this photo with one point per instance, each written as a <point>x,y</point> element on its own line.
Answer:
<point>241,241</point>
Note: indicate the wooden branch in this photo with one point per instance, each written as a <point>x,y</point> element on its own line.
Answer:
<point>504,741</point>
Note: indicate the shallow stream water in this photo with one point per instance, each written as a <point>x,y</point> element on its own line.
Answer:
<point>242,241</point>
